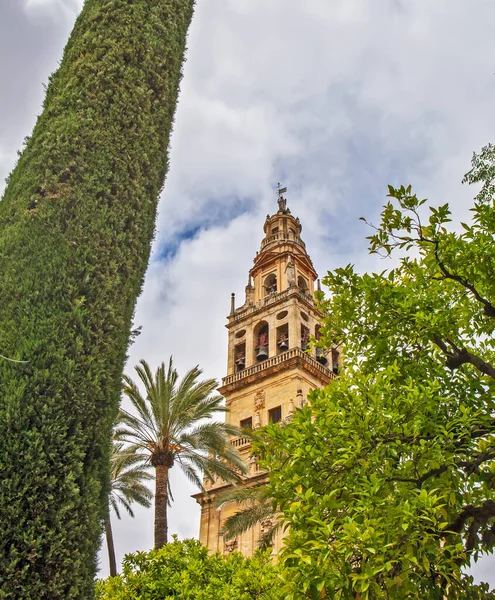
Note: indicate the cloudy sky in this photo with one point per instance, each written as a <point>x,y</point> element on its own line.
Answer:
<point>333,98</point>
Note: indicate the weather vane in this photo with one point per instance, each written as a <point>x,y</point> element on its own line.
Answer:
<point>282,202</point>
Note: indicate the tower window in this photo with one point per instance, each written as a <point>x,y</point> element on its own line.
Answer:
<point>302,284</point>
<point>320,354</point>
<point>335,361</point>
<point>270,284</point>
<point>246,423</point>
<point>282,338</point>
<point>274,230</point>
<point>261,341</point>
<point>304,337</point>
<point>240,356</point>
<point>275,414</point>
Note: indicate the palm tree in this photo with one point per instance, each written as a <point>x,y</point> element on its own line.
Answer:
<point>128,471</point>
<point>170,426</point>
<point>256,507</point>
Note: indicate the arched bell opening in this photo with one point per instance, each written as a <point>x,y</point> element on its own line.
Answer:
<point>302,284</point>
<point>304,337</point>
<point>335,361</point>
<point>261,336</point>
<point>270,284</point>
<point>240,357</point>
<point>320,353</point>
<point>282,338</point>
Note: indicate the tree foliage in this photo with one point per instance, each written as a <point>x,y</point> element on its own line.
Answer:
<point>173,424</point>
<point>387,478</point>
<point>185,571</point>
<point>76,223</point>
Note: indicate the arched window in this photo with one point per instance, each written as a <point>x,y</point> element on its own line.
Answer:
<point>302,284</point>
<point>320,353</point>
<point>270,284</point>
<point>240,357</point>
<point>261,341</point>
<point>304,337</point>
<point>335,361</point>
<point>282,338</point>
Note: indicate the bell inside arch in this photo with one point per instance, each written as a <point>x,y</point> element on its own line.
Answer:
<point>320,357</point>
<point>262,353</point>
<point>262,345</point>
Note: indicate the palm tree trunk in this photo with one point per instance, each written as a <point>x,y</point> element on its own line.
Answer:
<point>111,548</point>
<point>161,505</point>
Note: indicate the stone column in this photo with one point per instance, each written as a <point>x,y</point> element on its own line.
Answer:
<point>249,346</point>
<point>294,327</point>
<point>272,337</point>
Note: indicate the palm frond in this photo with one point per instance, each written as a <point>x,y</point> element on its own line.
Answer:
<point>241,494</point>
<point>129,471</point>
<point>246,518</point>
<point>174,416</point>
<point>139,403</point>
<point>191,473</point>
<point>256,508</point>
<point>212,466</point>
<point>133,427</point>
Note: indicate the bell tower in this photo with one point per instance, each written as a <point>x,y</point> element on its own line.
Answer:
<point>270,368</point>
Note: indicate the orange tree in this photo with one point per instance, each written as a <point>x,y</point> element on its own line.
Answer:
<point>387,477</point>
<point>185,570</point>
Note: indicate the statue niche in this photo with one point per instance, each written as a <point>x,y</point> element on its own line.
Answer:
<point>291,273</point>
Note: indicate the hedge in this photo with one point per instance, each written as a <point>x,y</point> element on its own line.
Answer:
<point>76,224</point>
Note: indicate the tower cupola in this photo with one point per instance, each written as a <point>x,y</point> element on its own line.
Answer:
<point>282,261</point>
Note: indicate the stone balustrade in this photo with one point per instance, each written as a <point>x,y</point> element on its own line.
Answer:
<point>245,311</point>
<point>275,360</point>
<point>240,442</point>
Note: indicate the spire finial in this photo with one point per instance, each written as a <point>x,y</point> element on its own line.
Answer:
<point>282,202</point>
<point>232,303</point>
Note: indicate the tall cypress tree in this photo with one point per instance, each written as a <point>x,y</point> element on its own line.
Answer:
<point>76,223</point>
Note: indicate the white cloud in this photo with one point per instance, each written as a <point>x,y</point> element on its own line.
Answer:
<point>336,100</point>
<point>65,7</point>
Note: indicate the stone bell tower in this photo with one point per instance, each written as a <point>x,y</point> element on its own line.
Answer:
<point>270,370</point>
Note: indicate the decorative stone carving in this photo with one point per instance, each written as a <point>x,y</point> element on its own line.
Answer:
<point>259,400</point>
<point>291,273</point>
<point>230,546</point>
<point>266,524</point>
<point>291,407</point>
